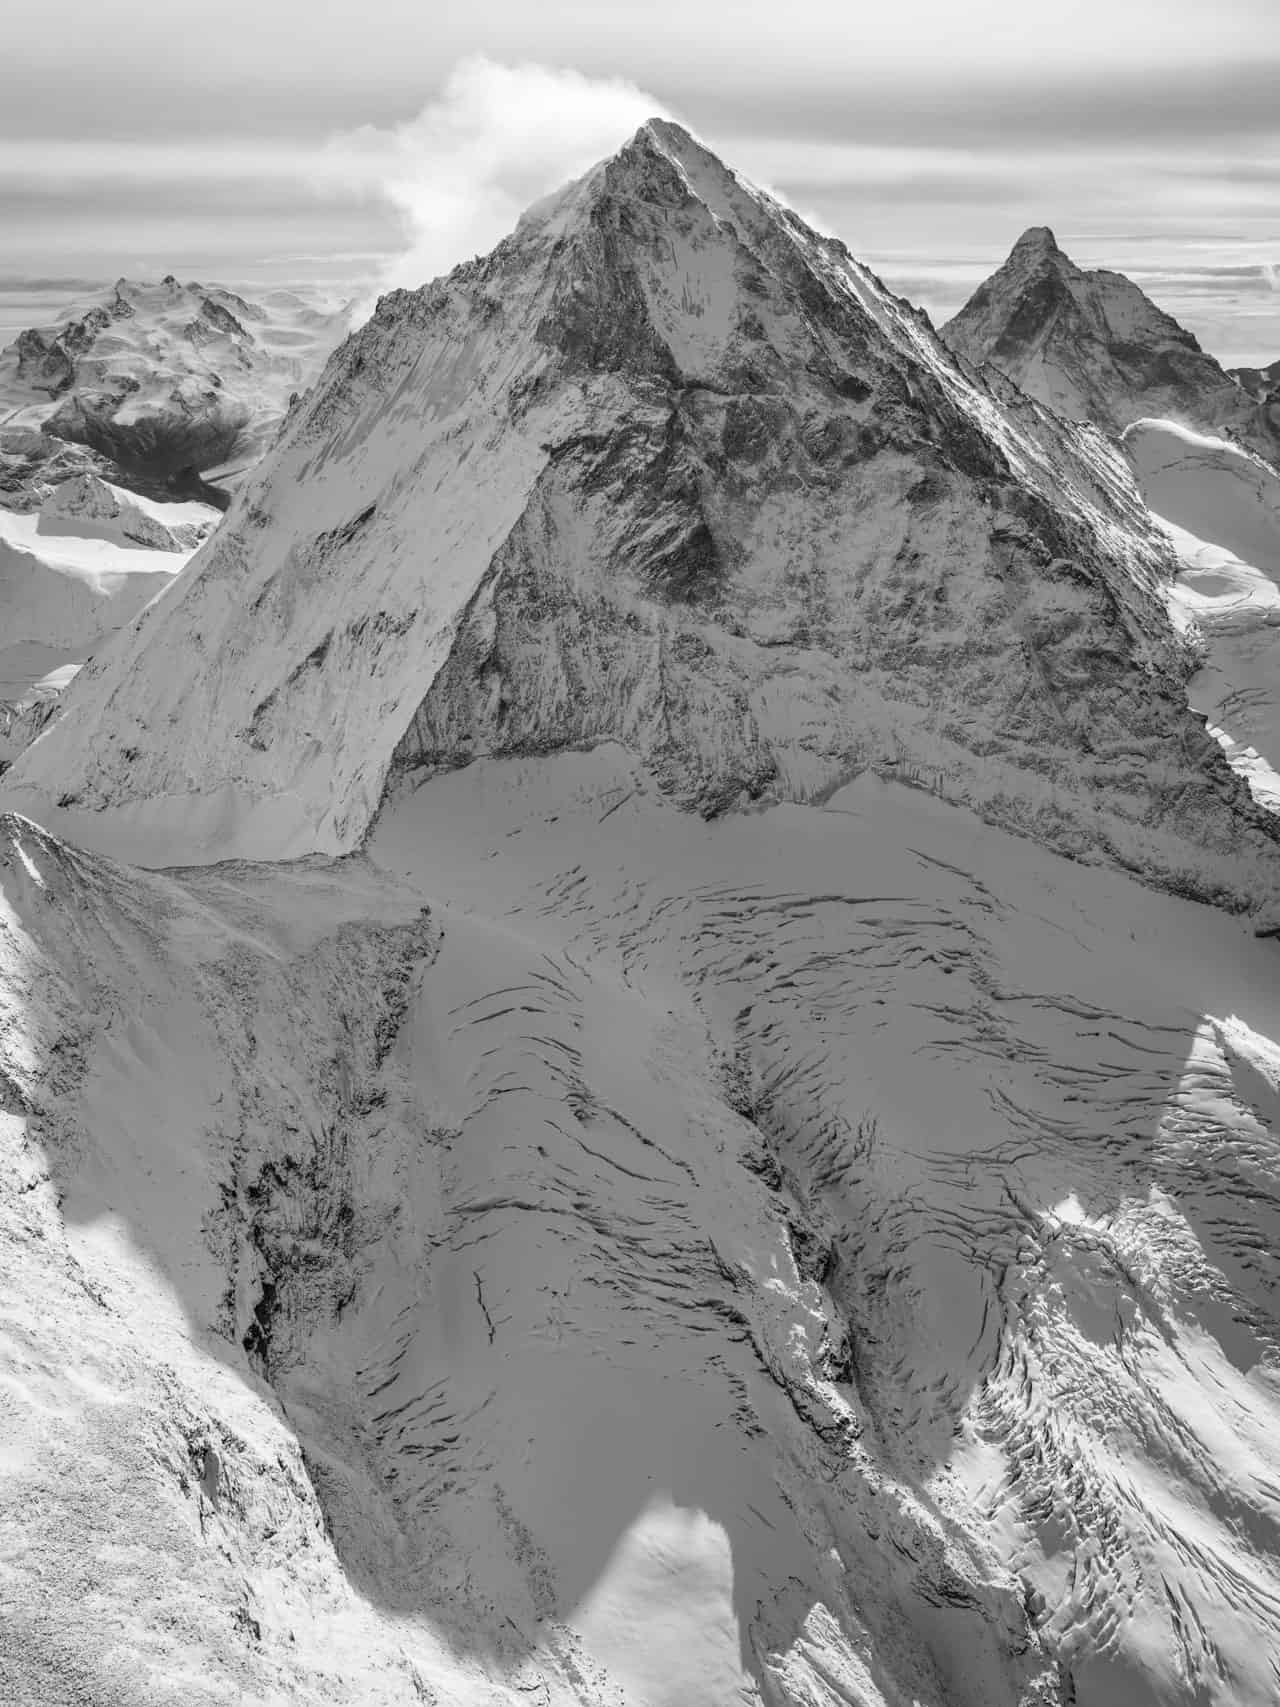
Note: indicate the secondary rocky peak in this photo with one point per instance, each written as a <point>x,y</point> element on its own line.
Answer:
<point>1036,242</point>
<point>667,469</point>
<point>1091,345</point>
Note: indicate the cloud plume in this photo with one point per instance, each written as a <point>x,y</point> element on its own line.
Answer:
<point>495,139</point>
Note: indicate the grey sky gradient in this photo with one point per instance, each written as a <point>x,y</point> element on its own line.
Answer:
<point>927,134</point>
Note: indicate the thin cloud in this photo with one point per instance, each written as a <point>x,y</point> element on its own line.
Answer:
<point>496,138</point>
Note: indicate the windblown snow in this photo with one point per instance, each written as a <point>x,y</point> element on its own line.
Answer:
<point>677,1126</point>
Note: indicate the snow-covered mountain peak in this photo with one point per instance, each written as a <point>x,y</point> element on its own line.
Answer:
<point>1037,243</point>
<point>1091,345</point>
<point>587,1252</point>
<point>667,469</point>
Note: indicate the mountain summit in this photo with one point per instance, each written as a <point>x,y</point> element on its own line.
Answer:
<point>591,1245</point>
<point>665,469</point>
<point>165,380</point>
<point>1092,346</point>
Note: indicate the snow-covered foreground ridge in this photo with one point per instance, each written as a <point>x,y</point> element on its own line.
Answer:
<point>670,469</point>
<point>577,1252</point>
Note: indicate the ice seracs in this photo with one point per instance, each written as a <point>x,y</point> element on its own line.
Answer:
<point>1092,346</point>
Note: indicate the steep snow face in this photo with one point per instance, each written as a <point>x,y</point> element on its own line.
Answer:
<point>1223,510</point>
<point>165,379</point>
<point>582,1253</point>
<point>666,468</point>
<point>1092,346</point>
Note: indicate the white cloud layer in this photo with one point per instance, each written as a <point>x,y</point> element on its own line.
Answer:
<point>495,139</point>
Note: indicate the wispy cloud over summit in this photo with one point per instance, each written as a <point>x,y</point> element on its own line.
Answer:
<point>493,140</point>
<point>925,134</point>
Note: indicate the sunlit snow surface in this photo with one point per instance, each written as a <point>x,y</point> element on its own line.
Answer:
<point>1222,509</point>
<point>824,1255</point>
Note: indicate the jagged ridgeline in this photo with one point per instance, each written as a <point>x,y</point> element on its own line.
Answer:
<point>669,469</point>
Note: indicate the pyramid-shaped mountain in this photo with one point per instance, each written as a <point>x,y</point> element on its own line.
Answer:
<point>670,470</point>
<point>1092,346</point>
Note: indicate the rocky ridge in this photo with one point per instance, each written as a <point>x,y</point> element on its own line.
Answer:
<point>1093,347</point>
<point>670,469</point>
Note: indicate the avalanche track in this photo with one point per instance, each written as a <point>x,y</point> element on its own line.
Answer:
<point>575,1252</point>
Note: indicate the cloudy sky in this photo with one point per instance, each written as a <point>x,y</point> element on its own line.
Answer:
<point>280,139</point>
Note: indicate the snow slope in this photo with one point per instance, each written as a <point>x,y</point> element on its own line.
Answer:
<point>1222,507</point>
<point>1092,346</point>
<point>666,468</point>
<point>580,1252</point>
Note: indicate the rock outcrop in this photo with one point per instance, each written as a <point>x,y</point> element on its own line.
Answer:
<point>1093,347</point>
